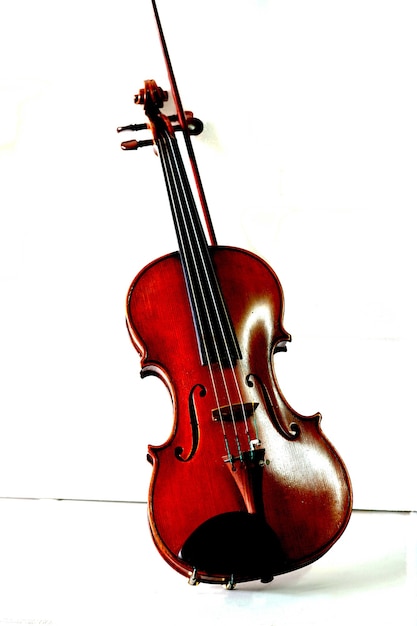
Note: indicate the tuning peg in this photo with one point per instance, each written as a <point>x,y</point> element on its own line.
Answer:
<point>132,144</point>
<point>194,125</point>
<point>120,129</point>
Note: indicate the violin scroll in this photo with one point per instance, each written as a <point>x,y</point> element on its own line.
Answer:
<point>152,98</point>
<point>151,93</point>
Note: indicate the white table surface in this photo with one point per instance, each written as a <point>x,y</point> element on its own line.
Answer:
<point>93,563</point>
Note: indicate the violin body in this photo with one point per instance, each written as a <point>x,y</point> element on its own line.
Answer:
<point>240,513</point>
<point>244,488</point>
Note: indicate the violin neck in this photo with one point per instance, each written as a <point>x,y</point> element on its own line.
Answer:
<point>214,331</point>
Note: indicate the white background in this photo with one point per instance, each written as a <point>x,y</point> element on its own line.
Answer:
<point>308,158</point>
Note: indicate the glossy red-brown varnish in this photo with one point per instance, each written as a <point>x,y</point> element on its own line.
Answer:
<point>305,489</point>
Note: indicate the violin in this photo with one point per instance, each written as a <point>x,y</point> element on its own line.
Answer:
<point>245,488</point>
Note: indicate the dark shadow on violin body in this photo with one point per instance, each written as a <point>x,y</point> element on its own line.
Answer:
<point>218,545</point>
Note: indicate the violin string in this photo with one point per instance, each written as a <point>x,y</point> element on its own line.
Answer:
<point>195,263</point>
<point>192,212</point>
<point>171,179</point>
<point>180,202</point>
<point>183,192</point>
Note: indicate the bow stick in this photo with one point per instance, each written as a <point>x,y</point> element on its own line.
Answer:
<point>183,123</point>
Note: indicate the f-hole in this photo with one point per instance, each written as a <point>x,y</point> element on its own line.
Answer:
<point>195,430</point>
